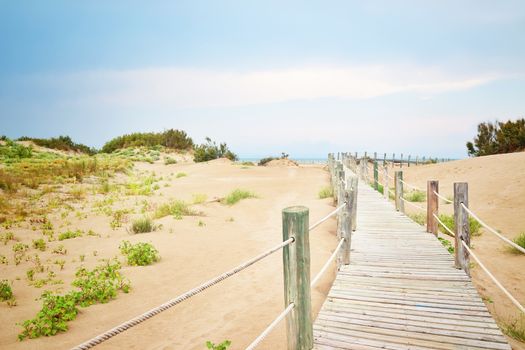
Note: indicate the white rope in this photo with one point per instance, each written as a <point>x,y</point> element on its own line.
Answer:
<point>412,204</point>
<point>270,328</point>
<point>412,186</point>
<point>147,315</point>
<point>521,249</point>
<point>500,286</point>
<point>327,264</point>
<point>327,216</point>
<point>445,226</point>
<point>390,177</point>
<point>443,198</point>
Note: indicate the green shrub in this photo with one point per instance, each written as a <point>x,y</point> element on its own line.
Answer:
<point>56,311</point>
<point>199,198</point>
<point>515,328</point>
<point>142,225</point>
<point>210,150</point>
<point>448,220</point>
<point>415,196</point>
<point>237,195</point>
<point>263,161</point>
<point>7,236</point>
<point>179,175</point>
<point>173,139</point>
<point>99,285</point>
<point>69,235</point>
<point>222,346</point>
<point>6,293</point>
<point>177,208</point>
<point>63,143</point>
<point>139,254</point>
<point>169,161</point>
<point>39,244</point>
<point>326,192</point>
<point>519,240</point>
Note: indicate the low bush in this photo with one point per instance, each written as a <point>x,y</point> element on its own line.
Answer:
<point>6,293</point>
<point>177,208</point>
<point>172,138</point>
<point>237,195</point>
<point>179,175</point>
<point>326,192</point>
<point>222,346</point>
<point>169,161</point>
<point>139,254</point>
<point>39,244</point>
<point>519,240</point>
<point>415,196</point>
<point>142,225</point>
<point>64,143</point>
<point>69,235</point>
<point>210,150</point>
<point>448,220</point>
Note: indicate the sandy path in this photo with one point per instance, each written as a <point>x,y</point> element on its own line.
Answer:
<point>497,195</point>
<point>237,309</point>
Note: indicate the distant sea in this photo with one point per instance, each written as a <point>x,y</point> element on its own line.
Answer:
<point>298,160</point>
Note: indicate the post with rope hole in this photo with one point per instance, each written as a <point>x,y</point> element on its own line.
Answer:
<point>398,178</point>
<point>432,206</point>
<point>462,228</point>
<point>386,189</point>
<point>347,227</point>
<point>376,176</point>
<point>355,183</point>
<point>296,266</point>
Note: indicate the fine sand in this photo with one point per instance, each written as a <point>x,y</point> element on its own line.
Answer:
<point>193,250</point>
<point>496,187</point>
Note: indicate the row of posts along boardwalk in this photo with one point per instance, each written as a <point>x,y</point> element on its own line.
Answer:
<point>401,290</point>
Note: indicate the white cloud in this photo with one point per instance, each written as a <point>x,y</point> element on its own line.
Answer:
<point>190,88</point>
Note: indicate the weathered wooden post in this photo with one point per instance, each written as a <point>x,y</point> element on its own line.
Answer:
<point>385,182</point>
<point>355,183</point>
<point>347,226</point>
<point>398,177</point>
<point>432,206</point>
<point>393,159</point>
<point>417,160</point>
<point>408,162</point>
<point>296,265</point>
<point>384,159</point>
<point>401,161</point>
<point>462,228</point>
<point>376,176</point>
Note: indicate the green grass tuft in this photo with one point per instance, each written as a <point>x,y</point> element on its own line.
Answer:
<point>199,198</point>
<point>237,195</point>
<point>179,175</point>
<point>177,208</point>
<point>519,240</point>
<point>448,220</point>
<point>326,192</point>
<point>515,329</point>
<point>139,254</point>
<point>142,225</point>
<point>415,196</point>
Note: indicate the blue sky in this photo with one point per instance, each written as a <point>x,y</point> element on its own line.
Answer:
<point>301,77</point>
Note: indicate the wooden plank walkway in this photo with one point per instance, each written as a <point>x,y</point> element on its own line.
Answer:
<point>401,291</point>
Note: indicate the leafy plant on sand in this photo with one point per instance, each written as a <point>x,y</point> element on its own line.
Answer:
<point>415,196</point>
<point>210,150</point>
<point>139,254</point>
<point>99,285</point>
<point>222,346</point>
<point>448,220</point>
<point>519,240</point>
<point>179,175</point>
<point>237,195</point>
<point>39,244</point>
<point>326,192</point>
<point>69,235</point>
<point>6,293</point>
<point>447,245</point>
<point>142,225</point>
<point>177,208</point>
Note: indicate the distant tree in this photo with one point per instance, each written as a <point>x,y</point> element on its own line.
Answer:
<point>210,150</point>
<point>498,137</point>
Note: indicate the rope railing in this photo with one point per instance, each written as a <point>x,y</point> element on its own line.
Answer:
<point>335,211</point>
<point>412,186</point>
<point>443,198</point>
<point>505,239</point>
<point>494,279</point>
<point>450,233</point>
<point>327,264</point>
<point>270,327</point>
<point>412,204</point>
<point>192,292</point>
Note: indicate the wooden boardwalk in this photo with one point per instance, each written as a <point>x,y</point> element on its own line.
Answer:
<point>401,291</point>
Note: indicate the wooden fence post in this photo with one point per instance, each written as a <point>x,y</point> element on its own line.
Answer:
<point>385,182</point>
<point>432,206</point>
<point>347,227</point>
<point>462,228</point>
<point>400,205</point>
<point>376,176</point>
<point>393,159</point>
<point>296,265</point>
<point>401,161</point>
<point>408,162</point>
<point>384,159</point>
<point>355,183</point>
